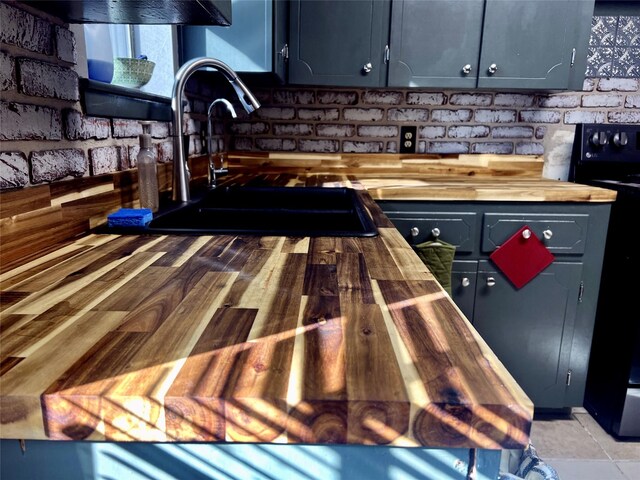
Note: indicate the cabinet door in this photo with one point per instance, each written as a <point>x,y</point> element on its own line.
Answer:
<point>531,329</point>
<point>333,41</point>
<point>463,285</point>
<point>527,43</point>
<point>432,42</point>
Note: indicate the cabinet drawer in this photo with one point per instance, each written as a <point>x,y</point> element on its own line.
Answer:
<point>457,229</point>
<point>567,232</point>
<point>463,285</point>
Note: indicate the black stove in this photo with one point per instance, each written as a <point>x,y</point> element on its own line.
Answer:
<point>608,156</point>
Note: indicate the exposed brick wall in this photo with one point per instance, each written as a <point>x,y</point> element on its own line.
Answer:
<point>45,135</point>
<point>356,120</point>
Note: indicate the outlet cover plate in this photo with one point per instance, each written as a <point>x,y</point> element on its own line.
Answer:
<point>408,139</point>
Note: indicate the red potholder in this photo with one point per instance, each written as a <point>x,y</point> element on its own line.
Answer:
<point>521,259</point>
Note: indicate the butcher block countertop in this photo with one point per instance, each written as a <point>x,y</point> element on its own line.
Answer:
<point>248,339</point>
<point>259,339</point>
<point>491,178</point>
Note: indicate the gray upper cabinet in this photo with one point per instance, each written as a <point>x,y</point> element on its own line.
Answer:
<point>530,43</point>
<point>535,44</point>
<point>255,43</point>
<point>435,43</point>
<point>338,42</point>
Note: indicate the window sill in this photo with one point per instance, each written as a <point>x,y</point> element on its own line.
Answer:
<point>105,100</point>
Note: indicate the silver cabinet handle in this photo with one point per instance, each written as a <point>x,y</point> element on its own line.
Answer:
<point>284,52</point>
<point>547,234</point>
<point>491,281</point>
<point>465,282</point>
<point>526,234</point>
<point>415,231</point>
<point>367,67</point>
<point>466,69</point>
<point>435,231</point>
<point>493,68</point>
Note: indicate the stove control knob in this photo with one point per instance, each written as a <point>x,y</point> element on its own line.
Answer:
<point>599,139</point>
<point>620,139</point>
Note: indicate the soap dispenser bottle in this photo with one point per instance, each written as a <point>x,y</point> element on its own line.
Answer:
<point>147,171</point>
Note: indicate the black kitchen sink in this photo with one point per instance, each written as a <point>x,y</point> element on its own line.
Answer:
<point>308,212</point>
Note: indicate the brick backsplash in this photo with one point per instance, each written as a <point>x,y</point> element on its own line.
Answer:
<point>46,136</point>
<point>369,120</point>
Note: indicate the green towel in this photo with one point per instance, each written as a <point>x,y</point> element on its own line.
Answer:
<point>438,257</point>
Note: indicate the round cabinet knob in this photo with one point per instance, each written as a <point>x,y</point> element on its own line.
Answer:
<point>493,68</point>
<point>526,234</point>
<point>415,231</point>
<point>466,69</point>
<point>547,234</point>
<point>491,281</point>
<point>367,67</point>
<point>620,139</point>
<point>599,139</point>
<point>435,231</point>
<point>465,282</point>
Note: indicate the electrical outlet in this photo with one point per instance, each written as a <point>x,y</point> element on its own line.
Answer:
<point>408,139</point>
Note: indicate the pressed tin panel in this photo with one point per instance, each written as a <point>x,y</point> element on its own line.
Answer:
<point>614,47</point>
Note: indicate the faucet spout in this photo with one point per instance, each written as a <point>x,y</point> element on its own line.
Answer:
<point>181,174</point>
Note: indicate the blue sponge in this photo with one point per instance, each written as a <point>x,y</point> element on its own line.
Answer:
<point>130,217</point>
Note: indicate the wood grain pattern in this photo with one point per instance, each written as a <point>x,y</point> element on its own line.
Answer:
<point>193,404</point>
<point>71,208</point>
<point>15,202</point>
<point>446,355</point>
<point>248,339</point>
<point>318,389</point>
<point>258,411</point>
<point>379,410</point>
<point>467,165</point>
<point>66,210</point>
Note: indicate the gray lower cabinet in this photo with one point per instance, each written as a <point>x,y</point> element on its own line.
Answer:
<point>489,43</point>
<point>541,332</point>
<point>535,343</point>
<point>338,42</point>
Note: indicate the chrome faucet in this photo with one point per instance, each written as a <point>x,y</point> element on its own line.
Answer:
<point>181,173</point>
<point>213,171</point>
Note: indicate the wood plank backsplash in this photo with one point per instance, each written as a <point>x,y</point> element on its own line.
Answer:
<point>34,220</point>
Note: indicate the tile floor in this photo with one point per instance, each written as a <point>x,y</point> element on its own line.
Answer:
<point>579,449</point>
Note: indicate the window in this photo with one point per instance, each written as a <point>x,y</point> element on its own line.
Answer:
<point>156,42</point>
